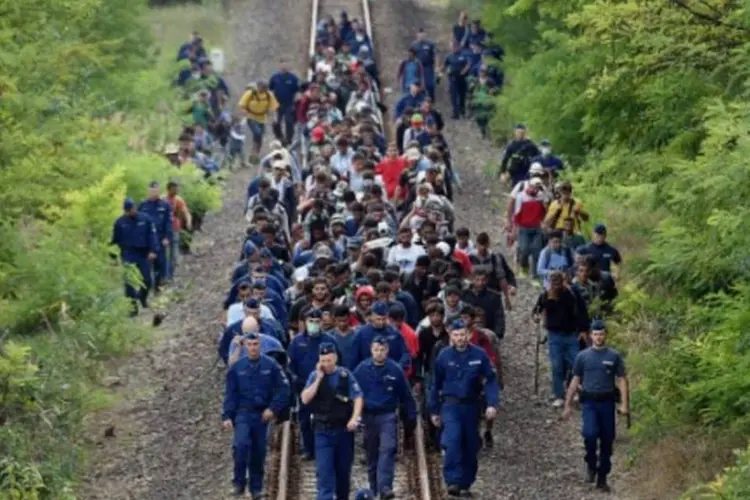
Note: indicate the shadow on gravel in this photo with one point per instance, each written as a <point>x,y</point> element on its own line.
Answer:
<point>166,441</point>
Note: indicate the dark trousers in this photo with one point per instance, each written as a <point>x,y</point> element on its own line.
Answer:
<point>381,438</point>
<point>334,454</point>
<point>458,89</point>
<point>138,293</point>
<point>285,121</point>
<point>249,449</point>
<point>598,432</point>
<point>461,443</point>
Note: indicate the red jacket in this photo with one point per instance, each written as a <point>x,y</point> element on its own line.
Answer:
<point>412,345</point>
<point>529,211</point>
<point>479,339</point>
<point>390,169</point>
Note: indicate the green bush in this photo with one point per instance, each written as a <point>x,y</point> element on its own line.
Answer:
<point>648,102</point>
<point>84,111</point>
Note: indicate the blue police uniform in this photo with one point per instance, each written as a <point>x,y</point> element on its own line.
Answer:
<point>268,345</point>
<point>397,350</point>
<point>136,237</point>
<point>459,377</point>
<point>252,386</point>
<point>385,388</point>
<point>285,86</point>
<point>426,52</point>
<point>161,214</point>
<point>303,357</point>
<point>332,409</point>
<point>409,101</point>
<point>456,63</point>
<point>598,369</point>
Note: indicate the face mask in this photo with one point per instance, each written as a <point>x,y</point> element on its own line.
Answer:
<point>313,328</point>
<point>546,151</point>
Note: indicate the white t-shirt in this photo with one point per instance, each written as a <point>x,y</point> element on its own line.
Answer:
<point>236,312</point>
<point>405,258</point>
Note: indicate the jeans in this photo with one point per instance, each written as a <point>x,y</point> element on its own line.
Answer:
<point>381,437</point>
<point>563,349</point>
<point>174,252</point>
<point>257,129</point>
<point>529,245</point>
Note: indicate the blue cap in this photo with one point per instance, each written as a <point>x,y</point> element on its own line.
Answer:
<point>600,229</point>
<point>598,326</point>
<point>252,336</point>
<point>430,120</point>
<point>252,303</point>
<point>380,339</point>
<point>326,348</point>
<point>521,126</point>
<point>545,142</point>
<point>361,282</point>
<point>380,308</point>
<point>364,494</point>
<point>250,248</point>
<point>314,314</point>
<point>582,250</point>
<point>128,204</point>
<point>458,324</point>
<point>259,284</point>
<point>264,252</point>
<point>397,307</point>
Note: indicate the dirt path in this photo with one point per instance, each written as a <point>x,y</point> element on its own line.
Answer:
<point>168,442</point>
<point>536,456</point>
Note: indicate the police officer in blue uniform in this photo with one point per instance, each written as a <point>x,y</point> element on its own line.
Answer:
<point>336,401</point>
<point>161,215</point>
<point>303,358</point>
<point>284,84</point>
<point>256,392</point>
<point>377,325</point>
<point>598,371</point>
<point>426,53</point>
<point>385,388</point>
<point>135,234</point>
<point>462,371</point>
<point>457,66</point>
<point>548,160</point>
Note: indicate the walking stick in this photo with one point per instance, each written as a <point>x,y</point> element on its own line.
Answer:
<point>536,359</point>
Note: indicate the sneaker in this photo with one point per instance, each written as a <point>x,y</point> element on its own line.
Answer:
<point>238,491</point>
<point>387,496</point>
<point>558,403</point>
<point>466,494</point>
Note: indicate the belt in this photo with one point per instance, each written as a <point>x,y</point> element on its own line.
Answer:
<point>451,400</point>
<point>597,396</point>
<point>378,411</point>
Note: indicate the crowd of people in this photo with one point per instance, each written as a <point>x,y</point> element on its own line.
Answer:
<point>357,303</point>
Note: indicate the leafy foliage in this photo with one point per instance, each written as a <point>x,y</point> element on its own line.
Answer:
<point>647,100</point>
<point>83,107</point>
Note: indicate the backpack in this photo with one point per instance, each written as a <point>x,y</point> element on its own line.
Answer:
<point>510,276</point>
<point>567,253</point>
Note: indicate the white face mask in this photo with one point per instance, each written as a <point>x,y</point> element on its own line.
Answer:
<point>546,151</point>
<point>313,329</point>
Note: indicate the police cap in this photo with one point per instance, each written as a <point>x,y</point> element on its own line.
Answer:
<point>259,285</point>
<point>598,326</point>
<point>252,303</point>
<point>458,324</point>
<point>380,339</point>
<point>380,308</point>
<point>326,348</point>
<point>128,204</point>
<point>252,336</point>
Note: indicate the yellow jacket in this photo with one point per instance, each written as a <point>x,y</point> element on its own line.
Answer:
<point>258,104</point>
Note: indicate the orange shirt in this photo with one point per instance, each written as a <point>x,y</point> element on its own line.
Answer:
<point>179,210</point>
<point>390,169</point>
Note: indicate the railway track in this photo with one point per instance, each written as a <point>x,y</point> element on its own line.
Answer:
<point>417,475</point>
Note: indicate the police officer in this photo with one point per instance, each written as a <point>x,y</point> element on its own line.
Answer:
<point>384,387</point>
<point>161,214</point>
<point>457,66</point>
<point>303,356</point>
<point>285,85</point>
<point>426,52</point>
<point>256,392</point>
<point>378,326</point>
<point>597,371</point>
<point>135,234</point>
<point>336,402</point>
<point>462,371</point>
